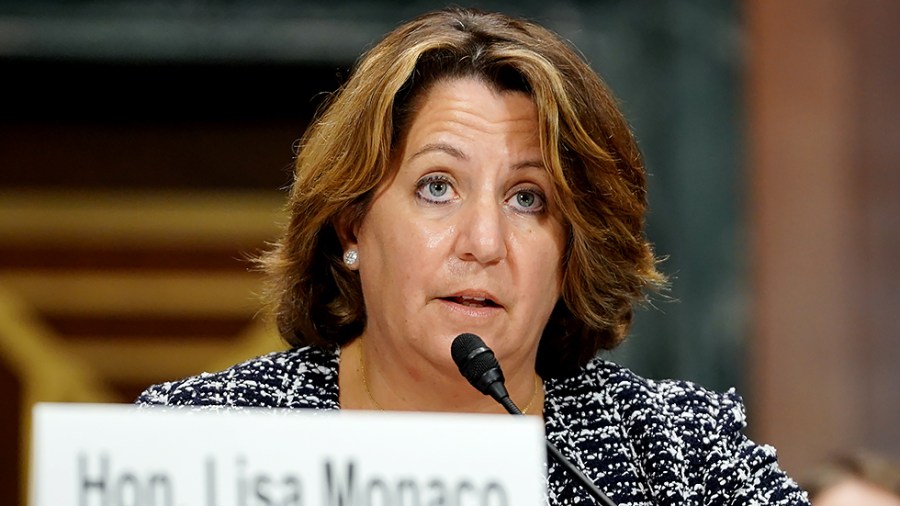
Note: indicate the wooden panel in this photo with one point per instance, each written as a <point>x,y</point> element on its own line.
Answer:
<point>104,293</point>
<point>158,328</point>
<point>146,361</point>
<point>10,430</point>
<point>825,240</point>
<point>805,239</point>
<point>875,26</point>
<point>48,258</point>
<point>136,293</point>
<point>128,219</point>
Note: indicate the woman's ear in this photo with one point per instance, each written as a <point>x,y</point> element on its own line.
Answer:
<point>346,225</point>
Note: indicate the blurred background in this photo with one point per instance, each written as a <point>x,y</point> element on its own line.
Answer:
<point>145,151</point>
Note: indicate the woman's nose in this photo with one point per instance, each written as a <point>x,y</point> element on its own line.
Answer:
<point>482,231</point>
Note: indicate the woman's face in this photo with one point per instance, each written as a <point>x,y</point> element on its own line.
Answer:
<point>465,237</point>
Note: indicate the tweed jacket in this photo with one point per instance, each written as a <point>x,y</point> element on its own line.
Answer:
<point>643,442</point>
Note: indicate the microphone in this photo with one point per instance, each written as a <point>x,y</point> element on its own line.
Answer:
<point>477,363</point>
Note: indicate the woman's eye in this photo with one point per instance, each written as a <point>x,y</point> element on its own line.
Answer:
<point>525,199</point>
<point>528,201</point>
<point>435,189</point>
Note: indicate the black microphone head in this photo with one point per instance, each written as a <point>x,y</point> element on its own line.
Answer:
<point>463,346</point>
<point>476,362</point>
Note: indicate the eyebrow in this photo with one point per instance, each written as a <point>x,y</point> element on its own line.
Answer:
<point>442,147</point>
<point>529,164</point>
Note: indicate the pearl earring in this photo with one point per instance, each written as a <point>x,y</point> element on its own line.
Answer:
<point>351,257</point>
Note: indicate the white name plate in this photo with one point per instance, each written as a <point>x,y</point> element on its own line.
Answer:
<point>119,455</point>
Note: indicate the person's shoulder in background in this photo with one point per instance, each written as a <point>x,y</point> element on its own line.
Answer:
<point>855,478</point>
<point>296,378</point>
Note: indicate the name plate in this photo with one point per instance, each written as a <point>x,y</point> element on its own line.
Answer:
<point>120,455</point>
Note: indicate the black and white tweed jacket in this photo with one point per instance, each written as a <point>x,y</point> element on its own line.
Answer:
<point>642,442</point>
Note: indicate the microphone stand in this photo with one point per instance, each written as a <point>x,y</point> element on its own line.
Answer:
<point>595,492</point>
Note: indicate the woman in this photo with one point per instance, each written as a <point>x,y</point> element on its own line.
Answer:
<point>475,175</point>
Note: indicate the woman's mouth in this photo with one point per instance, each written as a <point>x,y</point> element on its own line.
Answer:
<point>472,301</point>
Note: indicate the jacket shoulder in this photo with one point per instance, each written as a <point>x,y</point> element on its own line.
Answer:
<point>300,377</point>
<point>681,403</point>
<point>686,440</point>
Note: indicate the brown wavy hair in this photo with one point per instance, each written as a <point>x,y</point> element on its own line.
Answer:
<point>588,150</point>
